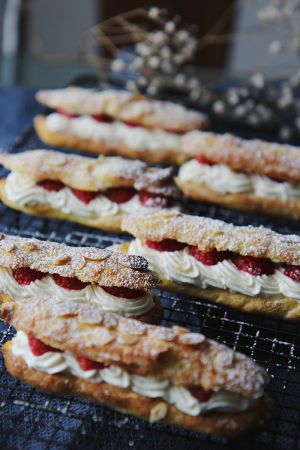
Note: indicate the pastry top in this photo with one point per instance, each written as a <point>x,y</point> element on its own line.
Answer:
<point>278,161</point>
<point>209,234</point>
<point>91,174</point>
<point>174,354</point>
<point>126,106</point>
<point>88,264</point>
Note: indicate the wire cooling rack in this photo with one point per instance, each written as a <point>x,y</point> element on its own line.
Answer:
<point>34,420</point>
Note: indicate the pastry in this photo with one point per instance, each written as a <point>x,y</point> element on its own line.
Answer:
<point>250,268</point>
<point>93,192</point>
<point>247,175</point>
<point>155,373</point>
<point>116,122</point>
<point>110,281</point>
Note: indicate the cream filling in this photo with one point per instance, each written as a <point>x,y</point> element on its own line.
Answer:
<point>22,189</point>
<point>223,180</point>
<point>47,288</point>
<point>181,267</point>
<point>152,387</point>
<point>115,134</point>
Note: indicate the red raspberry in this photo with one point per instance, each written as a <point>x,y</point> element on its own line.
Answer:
<point>120,194</point>
<point>123,292</point>
<point>200,394</point>
<point>85,196</point>
<point>51,185</point>
<point>88,364</point>
<point>25,276</point>
<point>151,200</point>
<point>210,258</point>
<point>204,160</point>
<point>293,272</point>
<point>167,245</point>
<point>102,118</point>
<point>66,114</point>
<point>38,348</point>
<point>73,284</point>
<point>131,124</point>
<point>254,266</point>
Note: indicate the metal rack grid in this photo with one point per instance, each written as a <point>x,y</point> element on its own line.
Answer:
<point>31,419</point>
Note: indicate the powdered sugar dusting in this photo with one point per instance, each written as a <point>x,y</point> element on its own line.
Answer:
<point>210,234</point>
<point>88,264</point>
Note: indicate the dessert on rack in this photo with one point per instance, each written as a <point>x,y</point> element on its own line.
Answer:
<point>247,175</point>
<point>107,281</point>
<point>250,268</point>
<point>93,192</point>
<point>159,374</point>
<point>116,122</point>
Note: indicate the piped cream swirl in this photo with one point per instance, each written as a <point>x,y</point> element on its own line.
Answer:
<point>151,387</point>
<point>223,180</point>
<point>182,267</point>
<point>25,191</point>
<point>47,288</point>
<point>115,134</point>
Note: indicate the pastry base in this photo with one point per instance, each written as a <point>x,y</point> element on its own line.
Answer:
<point>111,224</point>
<point>276,306</point>
<point>126,401</point>
<point>240,201</point>
<point>66,140</point>
<point>154,316</point>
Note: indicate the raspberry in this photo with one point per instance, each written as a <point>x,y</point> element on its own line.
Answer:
<point>120,194</point>
<point>73,284</point>
<point>210,258</point>
<point>293,272</point>
<point>200,394</point>
<point>204,160</point>
<point>123,292</point>
<point>102,118</point>
<point>151,200</point>
<point>88,364</point>
<point>131,124</point>
<point>66,114</point>
<point>51,185</point>
<point>85,196</point>
<point>254,266</point>
<point>38,348</point>
<point>25,276</point>
<point>167,245</point>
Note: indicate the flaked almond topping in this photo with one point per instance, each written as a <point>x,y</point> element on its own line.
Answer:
<point>191,339</point>
<point>132,327</point>
<point>78,262</point>
<point>10,247</point>
<point>96,258</point>
<point>135,262</point>
<point>29,247</point>
<point>110,321</point>
<point>128,339</point>
<point>158,412</point>
<point>62,260</point>
<point>102,336</point>
<point>166,334</point>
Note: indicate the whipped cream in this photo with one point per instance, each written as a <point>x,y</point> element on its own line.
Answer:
<point>182,267</point>
<point>223,180</point>
<point>22,189</point>
<point>47,288</point>
<point>115,134</point>
<point>152,387</point>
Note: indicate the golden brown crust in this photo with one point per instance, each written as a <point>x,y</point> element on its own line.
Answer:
<point>175,354</point>
<point>66,140</point>
<point>278,161</point>
<point>275,306</point>
<point>126,401</point>
<point>208,234</point>
<point>90,174</point>
<point>240,201</point>
<point>88,264</point>
<point>126,106</point>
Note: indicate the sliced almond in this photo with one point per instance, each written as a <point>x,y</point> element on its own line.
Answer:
<point>158,412</point>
